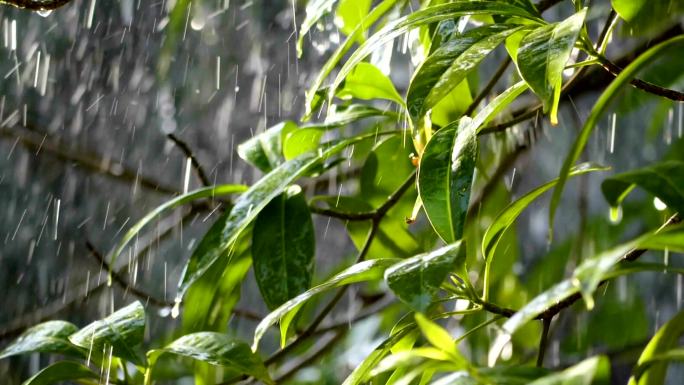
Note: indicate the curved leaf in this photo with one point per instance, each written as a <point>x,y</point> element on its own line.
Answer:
<point>47,337</point>
<point>416,280</point>
<point>426,16</point>
<point>250,204</point>
<point>123,330</point>
<point>444,69</point>
<point>62,371</point>
<point>599,108</point>
<point>367,82</point>
<point>216,349</point>
<point>445,177</point>
<point>315,9</point>
<point>628,9</point>
<point>283,247</point>
<point>360,272</point>
<point>508,215</point>
<point>650,371</point>
<point>206,192</point>
<point>265,150</point>
<point>542,56</point>
<point>664,180</point>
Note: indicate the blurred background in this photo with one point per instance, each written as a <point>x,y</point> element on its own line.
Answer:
<point>90,92</point>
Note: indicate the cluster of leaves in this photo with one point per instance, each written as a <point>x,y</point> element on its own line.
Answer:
<point>425,170</point>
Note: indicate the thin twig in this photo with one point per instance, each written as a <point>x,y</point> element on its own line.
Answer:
<point>643,85</point>
<point>490,85</point>
<point>325,347</point>
<point>187,151</point>
<point>543,341</point>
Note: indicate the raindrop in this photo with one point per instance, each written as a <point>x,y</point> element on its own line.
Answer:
<point>615,214</point>
<point>658,204</point>
<point>198,22</point>
<point>176,309</point>
<point>45,12</point>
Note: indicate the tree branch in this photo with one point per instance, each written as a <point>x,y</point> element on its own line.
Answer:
<point>195,163</point>
<point>36,5</point>
<point>643,85</point>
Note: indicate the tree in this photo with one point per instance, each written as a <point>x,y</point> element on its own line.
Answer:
<point>426,251</point>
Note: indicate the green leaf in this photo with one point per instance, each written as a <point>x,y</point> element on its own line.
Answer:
<point>123,330</point>
<point>445,177</point>
<point>426,16</point>
<point>367,82</point>
<point>452,106</point>
<point>265,150</point>
<point>283,247</point>
<point>301,141</point>
<point>597,111</point>
<point>315,10</point>
<point>542,56</point>
<point>216,349</point>
<point>210,301</point>
<point>664,180</point>
<point>250,204</point>
<point>508,215</point>
<point>628,9</point>
<point>350,13</point>
<point>437,335</point>
<point>416,280</point>
<point>360,272</point>
<point>651,370</point>
<point>312,92</point>
<point>62,371</point>
<point>497,105</point>
<point>449,65</point>
<point>47,337</point>
<point>582,373</point>
<point>205,192</point>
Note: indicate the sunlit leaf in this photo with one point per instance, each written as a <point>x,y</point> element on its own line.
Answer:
<point>367,82</point>
<point>416,280</point>
<point>350,13</point>
<point>437,336</point>
<point>283,247</point>
<point>360,272</point>
<point>583,373</point>
<point>628,9</point>
<point>651,370</point>
<point>62,371</point>
<point>542,56</point>
<point>450,64</point>
<point>48,337</point>
<point>216,349</point>
<point>445,177</point>
<point>123,330</point>
<point>597,111</point>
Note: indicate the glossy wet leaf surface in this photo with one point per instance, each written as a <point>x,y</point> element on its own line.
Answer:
<point>123,330</point>
<point>283,247</point>
<point>367,82</point>
<point>416,280</point>
<point>47,337</point>
<point>62,371</point>
<point>664,339</point>
<point>216,349</point>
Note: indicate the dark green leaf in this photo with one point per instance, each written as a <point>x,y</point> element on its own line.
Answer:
<point>360,272</point>
<point>597,111</point>
<point>450,64</point>
<point>367,82</point>
<point>445,177</point>
<point>283,247</point>
<point>60,372</point>
<point>542,56</point>
<point>416,280</point>
<point>123,330</point>
<point>265,150</point>
<point>48,337</point>
<point>649,372</point>
<point>216,349</point>
<point>665,180</point>
<point>250,204</point>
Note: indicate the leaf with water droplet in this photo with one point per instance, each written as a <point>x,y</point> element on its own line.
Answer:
<point>47,337</point>
<point>123,330</point>
<point>216,349</point>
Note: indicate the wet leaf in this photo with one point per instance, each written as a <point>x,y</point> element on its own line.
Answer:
<point>367,82</point>
<point>47,337</point>
<point>650,371</point>
<point>62,371</point>
<point>283,247</point>
<point>360,272</point>
<point>216,349</point>
<point>664,180</point>
<point>265,150</point>
<point>508,215</point>
<point>583,373</point>
<point>350,13</point>
<point>426,16</point>
<point>597,111</point>
<point>301,141</point>
<point>123,330</point>
<point>250,204</point>
<point>628,9</point>
<point>437,336</point>
<point>445,177</point>
<point>542,56</point>
<point>416,280</point>
<point>315,10</point>
<point>449,65</point>
<point>205,192</point>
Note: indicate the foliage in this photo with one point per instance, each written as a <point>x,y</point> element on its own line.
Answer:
<point>418,230</point>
